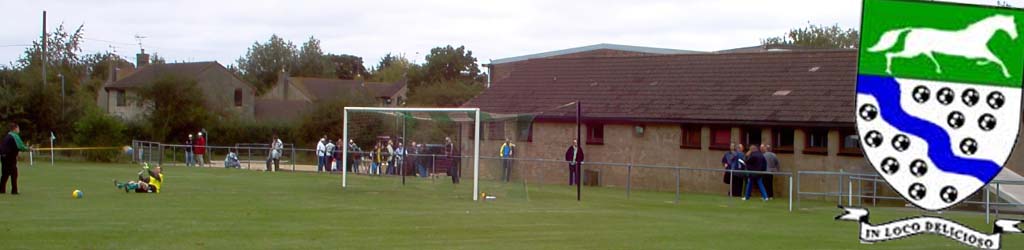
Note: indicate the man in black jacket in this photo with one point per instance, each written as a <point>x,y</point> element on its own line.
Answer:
<point>755,162</point>
<point>9,149</point>
<point>574,155</point>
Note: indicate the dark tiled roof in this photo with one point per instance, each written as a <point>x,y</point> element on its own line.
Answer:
<point>327,88</point>
<point>807,87</point>
<point>149,73</point>
<point>638,49</point>
<point>280,110</point>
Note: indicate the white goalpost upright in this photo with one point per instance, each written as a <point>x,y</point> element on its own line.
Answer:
<point>476,139</point>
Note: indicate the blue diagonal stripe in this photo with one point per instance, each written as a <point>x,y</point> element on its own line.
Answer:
<point>887,92</point>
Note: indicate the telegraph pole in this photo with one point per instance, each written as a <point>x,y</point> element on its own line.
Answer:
<point>44,48</point>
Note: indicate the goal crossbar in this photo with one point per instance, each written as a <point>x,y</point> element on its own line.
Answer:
<point>476,141</point>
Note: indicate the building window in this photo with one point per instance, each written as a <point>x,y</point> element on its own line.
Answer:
<point>689,136</point>
<point>496,131</point>
<point>238,97</point>
<point>121,98</point>
<point>595,134</point>
<point>782,140</point>
<point>849,142</point>
<point>721,138</point>
<point>524,130</point>
<point>817,141</point>
<point>751,136</point>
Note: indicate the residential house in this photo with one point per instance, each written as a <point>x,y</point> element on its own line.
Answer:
<point>224,93</point>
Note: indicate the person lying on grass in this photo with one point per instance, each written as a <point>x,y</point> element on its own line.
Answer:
<point>149,181</point>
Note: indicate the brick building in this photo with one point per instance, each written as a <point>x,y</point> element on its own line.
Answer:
<point>683,110</point>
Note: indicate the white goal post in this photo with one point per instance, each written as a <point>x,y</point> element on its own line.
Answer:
<point>476,139</point>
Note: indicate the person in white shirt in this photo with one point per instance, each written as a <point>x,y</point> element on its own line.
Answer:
<point>321,149</point>
<point>275,153</point>
<point>329,156</point>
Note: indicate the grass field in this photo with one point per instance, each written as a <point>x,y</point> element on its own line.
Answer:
<point>238,209</point>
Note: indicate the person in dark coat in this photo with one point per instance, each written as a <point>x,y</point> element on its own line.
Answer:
<point>189,147</point>
<point>574,155</point>
<point>755,162</point>
<point>734,159</point>
<point>9,149</point>
<point>454,170</point>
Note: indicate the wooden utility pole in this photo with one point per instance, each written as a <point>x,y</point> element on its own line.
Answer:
<point>44,48</point>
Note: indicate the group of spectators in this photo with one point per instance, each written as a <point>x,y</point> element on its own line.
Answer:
<point>758,158</point>
<point>386,157</point>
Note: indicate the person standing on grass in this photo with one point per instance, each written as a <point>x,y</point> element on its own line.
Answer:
<point>574,155</point>
<point>418,159</point>
<point>354,156</point>
<point>9,149</point>
<point>200,149</point>
<point>189,147</point>
<point>329,156</point>
<point>755,162</point>
<point>735,159</point>
<point>400,152</point>
<point>772,165</point>
<point>320,148</point>
<point>506,152</point>
<point>390,161</point>
<point>377,158</point>
<point>276,146</point>
<point>453,162</point>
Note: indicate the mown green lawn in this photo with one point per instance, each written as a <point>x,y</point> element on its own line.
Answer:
<point>238,209</point>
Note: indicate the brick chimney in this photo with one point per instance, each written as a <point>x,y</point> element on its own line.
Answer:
<point>141,59</point>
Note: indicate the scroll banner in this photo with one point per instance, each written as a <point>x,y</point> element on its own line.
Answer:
<point>927,224</point>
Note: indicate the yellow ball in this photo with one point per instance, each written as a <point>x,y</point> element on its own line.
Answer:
<point>77,194</point>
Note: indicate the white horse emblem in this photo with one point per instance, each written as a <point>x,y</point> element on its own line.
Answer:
<point>970,43</point>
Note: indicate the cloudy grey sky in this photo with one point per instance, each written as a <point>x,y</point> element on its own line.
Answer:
<point>188,30</point>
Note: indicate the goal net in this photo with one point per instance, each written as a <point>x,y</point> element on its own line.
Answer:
<point>437,136</point>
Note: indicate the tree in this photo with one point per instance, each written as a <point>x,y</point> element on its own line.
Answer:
<point>444,94</point>
<point>392,68</point>
<point>816,36</point>
<point>312,62</point>
<point>347,67</point>
<point>173,116</point>
<point>451,64</point>
<point>263,62</point>
<point>157,59</point>
<point>36,107</point>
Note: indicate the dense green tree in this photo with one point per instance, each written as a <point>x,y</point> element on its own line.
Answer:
<point>444,94</point>
<point>347,66</point>
<point>171,117</point>
<point>392,68</point>
<point>263,62</point>
<point>38,108</point>
<point>817,36</point>
<point>312,62</point>
<point>445,64</point>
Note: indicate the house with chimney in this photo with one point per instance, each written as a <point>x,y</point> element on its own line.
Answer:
<point>224,93</point>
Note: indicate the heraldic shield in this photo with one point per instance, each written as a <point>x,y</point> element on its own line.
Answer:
<point>938,96</point>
